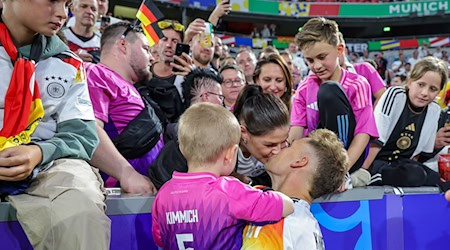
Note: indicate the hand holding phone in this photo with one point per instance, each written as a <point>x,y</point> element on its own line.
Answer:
<point>227,9</point>
<point>179,49</point>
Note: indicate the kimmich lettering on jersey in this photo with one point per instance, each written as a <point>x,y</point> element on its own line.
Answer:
<point>179,217</point>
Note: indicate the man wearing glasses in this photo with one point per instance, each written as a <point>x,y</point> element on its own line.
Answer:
<point>233,82</point>
<point>117,104</point>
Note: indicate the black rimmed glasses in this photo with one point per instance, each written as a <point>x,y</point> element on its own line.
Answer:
<point>221,97</point>
<point>230,82</point>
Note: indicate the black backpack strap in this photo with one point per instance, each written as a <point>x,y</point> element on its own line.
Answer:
<point>145,94</point>
<point>140,135</point>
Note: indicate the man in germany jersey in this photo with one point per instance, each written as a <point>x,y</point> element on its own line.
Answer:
<point>309,168</point>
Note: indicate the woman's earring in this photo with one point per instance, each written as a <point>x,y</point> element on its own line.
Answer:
<point>244,140</point>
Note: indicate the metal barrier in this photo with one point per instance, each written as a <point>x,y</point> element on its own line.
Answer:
<point>361,218</point>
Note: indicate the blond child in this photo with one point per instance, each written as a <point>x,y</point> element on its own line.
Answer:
<point>203,209</point>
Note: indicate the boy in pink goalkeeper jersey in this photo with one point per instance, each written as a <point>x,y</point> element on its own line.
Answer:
<point>332,97</point>
<point>365,69</point>
<point>202,209</point>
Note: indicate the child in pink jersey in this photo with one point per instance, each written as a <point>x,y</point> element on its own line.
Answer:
<point>332,97</point>
<point>365,69</point>
<point>202,209</point>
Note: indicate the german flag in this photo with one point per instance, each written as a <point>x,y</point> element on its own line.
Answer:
<point>23,109</point>
<point>148,13</point>
<point>153,33</point>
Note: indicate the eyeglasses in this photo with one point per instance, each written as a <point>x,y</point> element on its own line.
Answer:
<point>229,82</point>
<point>221,97</point>
<point>171,24</point>
<point>130,27</point>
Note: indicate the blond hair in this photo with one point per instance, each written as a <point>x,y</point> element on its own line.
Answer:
<point>316,30</point>
<point>332,163</point>
<point>206,131</point>
<point>428,64</point>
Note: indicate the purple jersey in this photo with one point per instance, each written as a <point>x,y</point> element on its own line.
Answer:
<point>305,111</point>
<point>203,211</point>
<point>117,102</point>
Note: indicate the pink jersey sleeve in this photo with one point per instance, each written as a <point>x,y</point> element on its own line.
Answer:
<point>100,103</point>
<point>298,112</point>
<point>98,90</point>
<point>247,203</point>
<point>361,103</point>
<point>156,230</point>
<point>372,76</point>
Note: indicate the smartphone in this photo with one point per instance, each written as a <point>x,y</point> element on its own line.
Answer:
<point>105,21</point>
<point>179,49</point>
<point>182,47</point>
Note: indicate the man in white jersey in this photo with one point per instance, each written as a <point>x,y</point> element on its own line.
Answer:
<point>309,168</point>
<point>103,17</point>
<point>82,38</point>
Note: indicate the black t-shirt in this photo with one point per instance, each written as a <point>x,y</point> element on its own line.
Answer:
<point>164,93</point>
<point>169,79</point>
<point>404,138</point>
<point>170,159</point>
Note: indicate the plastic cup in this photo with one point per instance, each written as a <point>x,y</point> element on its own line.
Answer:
<point>444,166</point>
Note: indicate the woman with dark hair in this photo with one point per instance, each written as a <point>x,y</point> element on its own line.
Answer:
<point>264,120</point>
<point>274,76</point>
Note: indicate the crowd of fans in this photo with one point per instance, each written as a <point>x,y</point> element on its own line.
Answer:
<point>306,121</point>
